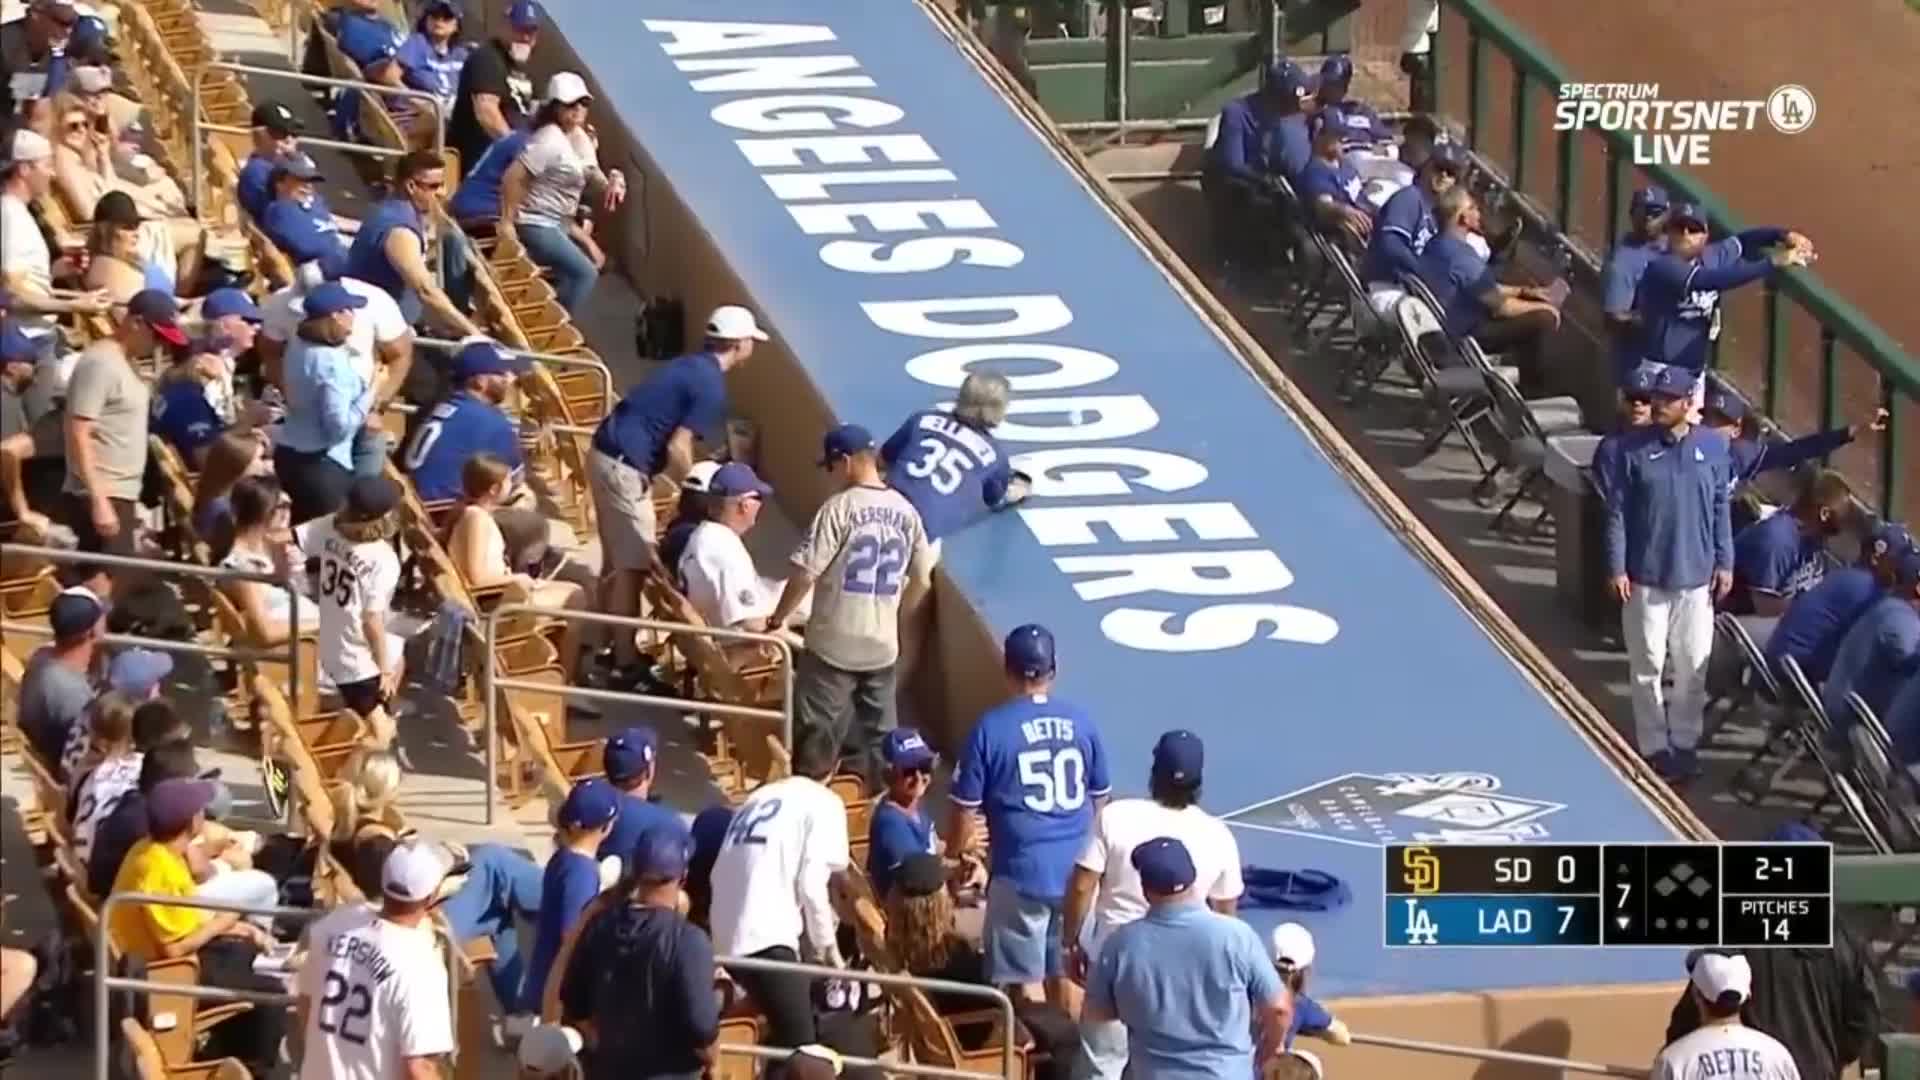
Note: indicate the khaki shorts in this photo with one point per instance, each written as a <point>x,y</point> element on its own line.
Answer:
<point>623,509</point>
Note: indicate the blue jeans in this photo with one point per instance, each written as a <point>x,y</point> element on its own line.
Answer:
<point>502,884</point>
<point>554,250</point>
<point>370,450</point>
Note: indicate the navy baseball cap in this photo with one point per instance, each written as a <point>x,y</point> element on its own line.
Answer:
<point>524,15</point>
<point>172,804</point>
<point>157,309</point>
<point>903,748</point>
<point>1889,537</point>
<point>443,8</point>
<point>1283,76</point>
<point>710,829</point>
<point>479,358</point>
<point>1674,382</point>
<point>1686,213</point>
<point>221,303</point>
<point>1337,68</point>
<point>331,298</point>
<point>1029,651</point>
<point>1179,756</point>
<point>661,853</point>
<point>629,754</point>
<point>1448,155</point>
<point>591,804</point>
<point>370,498</point>
<point>843,441</point>
<point>1641,380</point>
<point>1164,865</point>
<point>1906,567</point>
<point>737,478</point>
<point>1794,832</point>
<point>1725,403</point>
<point>1650,201</point>
<point>920,874</point>
<point>137,672</point>
<point>15,345</point>
<point>74,612</point>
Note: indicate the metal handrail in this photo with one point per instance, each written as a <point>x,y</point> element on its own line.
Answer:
<point>1394,1042</point>
<point>194,570</point>
<point>491,680</point>
<point>198,126</point>
<point>884,978</point>
<point>104,981</point>
<point>901,1068</point>
<point>554,359</point>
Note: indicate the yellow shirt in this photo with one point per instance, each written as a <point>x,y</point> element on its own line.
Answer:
<point>141,929</point>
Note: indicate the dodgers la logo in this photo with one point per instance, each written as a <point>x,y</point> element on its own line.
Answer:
<point>1377,809</point>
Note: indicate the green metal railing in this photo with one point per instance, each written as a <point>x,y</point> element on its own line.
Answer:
<point>1840,326</point>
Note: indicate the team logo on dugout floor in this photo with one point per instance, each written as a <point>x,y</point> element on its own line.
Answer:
<point>1372,810</point>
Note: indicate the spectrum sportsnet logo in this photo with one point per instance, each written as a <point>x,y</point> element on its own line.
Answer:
<point>1671,132</point>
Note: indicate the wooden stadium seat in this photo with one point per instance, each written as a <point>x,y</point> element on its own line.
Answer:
<point>971,1041</point>
<point>753,743</point>
<point>151,1064</point>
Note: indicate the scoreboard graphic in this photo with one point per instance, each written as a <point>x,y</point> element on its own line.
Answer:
<point>1581,896</point>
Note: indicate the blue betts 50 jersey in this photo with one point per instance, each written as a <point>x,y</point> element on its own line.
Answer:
<point>456,430</point>
<point>1034,766</point>
<point>947,469</point>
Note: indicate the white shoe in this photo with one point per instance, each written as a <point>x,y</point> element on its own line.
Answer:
<point>516,1025</point>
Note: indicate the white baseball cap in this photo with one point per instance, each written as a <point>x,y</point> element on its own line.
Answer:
<point>567,88</point>
<point>1293,945</point>
<point>731,322</point>
<point>1716,976</point>
<point>700,475</point>
<point>415,870</point>
<point>549,1048</point>
<point>28,146</point>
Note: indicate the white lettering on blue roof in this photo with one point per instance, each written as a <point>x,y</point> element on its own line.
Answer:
<point>1086,445</point>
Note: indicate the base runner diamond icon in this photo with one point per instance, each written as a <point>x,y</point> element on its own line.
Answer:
<point>1377,809</point>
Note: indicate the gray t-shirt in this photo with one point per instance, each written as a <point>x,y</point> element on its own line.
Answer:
<point>106,390</point>
<point>864,543</point>
<point>53,701</point>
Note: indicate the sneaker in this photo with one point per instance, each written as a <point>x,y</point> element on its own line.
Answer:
<point>1686,764</point>
<point>516,1025</point>
<point>1661,761</point>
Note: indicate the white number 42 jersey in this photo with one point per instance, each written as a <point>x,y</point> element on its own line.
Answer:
<point>376,994</point>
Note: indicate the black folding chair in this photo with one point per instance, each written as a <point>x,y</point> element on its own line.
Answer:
<point>1526,428</point>
<point>1813,737</point>
<point>1455,395</point>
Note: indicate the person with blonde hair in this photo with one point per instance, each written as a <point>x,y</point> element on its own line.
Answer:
<point>88,164</point>
<point>478,549</point>
<point>363,801</point>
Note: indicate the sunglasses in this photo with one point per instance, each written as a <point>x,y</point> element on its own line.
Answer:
<point>76,125</point>
<point>435,185</point>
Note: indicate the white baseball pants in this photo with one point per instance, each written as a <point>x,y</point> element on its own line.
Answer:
<point>1659,624</point>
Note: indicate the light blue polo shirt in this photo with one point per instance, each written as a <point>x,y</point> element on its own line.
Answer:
<point>1186,981</point>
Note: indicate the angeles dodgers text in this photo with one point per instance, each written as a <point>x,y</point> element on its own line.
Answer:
<point>812,141</point>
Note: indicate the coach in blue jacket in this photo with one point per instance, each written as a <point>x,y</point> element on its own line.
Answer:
<point>1261,135</point>
<point>1669,546</point>
<point>1680,290</point>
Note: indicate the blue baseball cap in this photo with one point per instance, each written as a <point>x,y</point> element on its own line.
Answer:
<point>137,672</point>
<point>661,853</point>
<point>1724,402</point>
<point>74,612</point>
<point>297,165</point>
<point>843,441</point>
<point>1179,756</point>
<point>591,804</point>
<point>478,358</point>
<point>15,345</point>
<point>737,478</point>
<point>1649,201</point>
<point>1686,213</point>
<point>1794,832</point>
<point>331,298</point>
<point>1887,538</point>
<point>1674,381</point>
<point>1640,380</point>
<point>1906,567</point>
<point>172,804</point>
<point>1337,68</point>
<point>1029,651</point>
<point>1448,155</point>
<point>442,8</point>
<point>629,754</point>
<point>903,748</point>
<point>524,15</point>
<point>1164,865</point>
<point>1282,77</point>
<point>221,303</point>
